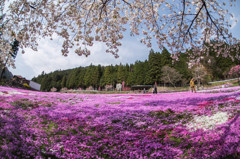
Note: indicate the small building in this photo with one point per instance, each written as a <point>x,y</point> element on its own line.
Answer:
<point>35,86</point>
<point>20,80</point>
<point>126,88</point>
<point>119,87</point>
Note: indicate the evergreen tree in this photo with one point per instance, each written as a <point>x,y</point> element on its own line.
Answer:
<point>139,73</point>
<point>55,82</point>
<point>120,74</point>
<point>88,76</point>
<point>166,59</point>
<point>181,66</point>
<point>126,73</point>
<point>45,85</point>
<point>64,81</point>
<point>130,80</point>
<point>72,79</point>
<point>95,77</point>
<point>147,78</point>
<point>155,66</point>
<point>107,76</point>
<point>81,75</point>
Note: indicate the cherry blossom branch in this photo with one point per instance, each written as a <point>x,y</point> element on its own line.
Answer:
<point>182,16</point>
<point>103,7</point>
<point>105,21</point>
<point>154,17</point>
<point>190,26</point>
<point>209,15</point>
<point>127,3</point>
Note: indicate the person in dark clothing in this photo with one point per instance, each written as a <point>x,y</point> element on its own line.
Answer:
<point>155,88</point>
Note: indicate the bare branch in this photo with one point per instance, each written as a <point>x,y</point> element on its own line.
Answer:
<point>31,6</point>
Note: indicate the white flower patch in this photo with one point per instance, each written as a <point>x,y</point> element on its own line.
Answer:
<point>208,123</point>
<point>4,94</point>
<point>15,92</point>
<point>139,124</point>
<point>10,93</point>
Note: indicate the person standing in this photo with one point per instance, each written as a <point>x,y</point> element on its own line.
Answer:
<point>192,85</point>
<point>155,88</point>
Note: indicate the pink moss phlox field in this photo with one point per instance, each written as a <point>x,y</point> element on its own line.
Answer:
<point>170,125</point>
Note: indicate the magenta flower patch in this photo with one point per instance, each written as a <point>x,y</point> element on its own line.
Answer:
<point>170,125</point>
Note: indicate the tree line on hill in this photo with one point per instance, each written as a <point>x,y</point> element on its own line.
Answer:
<point>159,67</point>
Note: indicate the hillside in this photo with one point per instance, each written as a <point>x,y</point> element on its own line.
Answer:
<point>140,73</point>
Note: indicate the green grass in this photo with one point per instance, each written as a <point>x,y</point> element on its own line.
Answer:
<point>160,89</point>
<point>99,92</point>
<point>234,82</point>
<point>170,89</point>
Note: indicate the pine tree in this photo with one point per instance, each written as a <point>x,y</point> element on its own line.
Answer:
<point>81,75</point>
<point>107,76</point>
<point>120,74</point>
<point>45,85</point>
<point>154,60</point>
<point>147,78</point>
<point>139,73</point>
<point>166,59</point>
<point>182,67</point>
<point>130,80</point>
<point>88,76</point>
<point>64,81</point>
<point>72,79</point>
<point>95,77</point>
<point>126,73</point>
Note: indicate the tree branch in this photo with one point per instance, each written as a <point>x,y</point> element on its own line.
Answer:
<point>104,3</point>
<point>85,23</point>
<point>194,20</point>
<point>127,3</point>
<point>190,26</point>
<point>209,15</point>
<point>154,16</point>
<point>182,16</point>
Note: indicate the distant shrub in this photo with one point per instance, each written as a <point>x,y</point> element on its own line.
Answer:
<point>53,89</point>
<point>109,87</point>
<point>90,88</point>
<point>64,89</point>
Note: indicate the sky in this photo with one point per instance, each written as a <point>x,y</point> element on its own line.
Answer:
<point>48,58</point>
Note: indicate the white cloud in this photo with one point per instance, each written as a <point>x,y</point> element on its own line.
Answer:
<point>48,58</point>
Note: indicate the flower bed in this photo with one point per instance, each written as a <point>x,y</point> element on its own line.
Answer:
<point>169,125</point>
<point>223,89</point>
